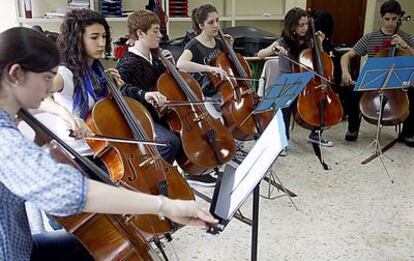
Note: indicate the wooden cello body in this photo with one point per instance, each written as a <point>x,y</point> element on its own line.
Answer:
<point>106,237</point>
<point>140,166</point>
<point>318,106</point>
<point>240,99</point>
<point>396,103</point>
<point>206,142</point>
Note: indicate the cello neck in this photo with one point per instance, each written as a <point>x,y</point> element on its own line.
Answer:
<point>233,56</point>
<point>134,125</point>
<point>393,49</point>
<point>177,77</point>
<point>48,136</point>
<point>317,48</point>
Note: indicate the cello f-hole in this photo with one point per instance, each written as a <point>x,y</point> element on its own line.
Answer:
<point>134,175</point>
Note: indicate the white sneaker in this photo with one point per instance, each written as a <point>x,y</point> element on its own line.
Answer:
<point>283,153</point>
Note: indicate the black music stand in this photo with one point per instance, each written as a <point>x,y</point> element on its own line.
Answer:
<point>381,74</point>
<point>235,185</point>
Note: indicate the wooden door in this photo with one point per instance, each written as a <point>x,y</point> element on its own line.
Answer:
<point>348,16</point>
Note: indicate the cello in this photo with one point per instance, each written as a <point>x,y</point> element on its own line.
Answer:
<point>240,99</point>
<point>105,236</point>
<point>395,103</point>
<point>318,105</point>
<point>206,142</point>
<point>136,166</point>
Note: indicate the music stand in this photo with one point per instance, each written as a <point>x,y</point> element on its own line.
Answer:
<point>284,91</point>
<point>379,74</point>
<point>235,185</point>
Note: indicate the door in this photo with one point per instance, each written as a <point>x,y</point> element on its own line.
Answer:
<point>348,15</point>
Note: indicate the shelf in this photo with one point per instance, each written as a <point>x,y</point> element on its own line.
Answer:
<point>116,19</point>
<point>179,19</point>
<point>188,19</point>
<point>241,12</point>
<point>259,18</point>
<point>39,20</point>
<point>59,20</point>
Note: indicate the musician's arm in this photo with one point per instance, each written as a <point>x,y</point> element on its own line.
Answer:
<point>185,64</point>
<point>345,61</point>
<point>101,198</point>
<point>268,51</point>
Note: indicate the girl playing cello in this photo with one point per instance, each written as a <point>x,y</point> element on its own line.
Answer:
<point>27,68</point>
<point>295,38</point>
<point>80,81</point>
<point>200,51</point>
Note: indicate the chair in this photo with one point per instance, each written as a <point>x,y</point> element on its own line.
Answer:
<point>269,75</point>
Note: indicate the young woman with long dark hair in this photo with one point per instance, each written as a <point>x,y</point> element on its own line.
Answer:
<point>28,66</point>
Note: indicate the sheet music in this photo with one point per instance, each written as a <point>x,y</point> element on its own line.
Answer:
<point>238,184</point>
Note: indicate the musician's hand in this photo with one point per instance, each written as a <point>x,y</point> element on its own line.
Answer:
<point>186,212</point>
<point>218,71</point>
<point>155,98</point>
<point>320,35</point>
<point>167,54</point>
<point>276,48</point>
<point>396,39</point>
<point>78,126</point>
<point>112,72</point>
<point>347,79</point>
<point>229,39</point>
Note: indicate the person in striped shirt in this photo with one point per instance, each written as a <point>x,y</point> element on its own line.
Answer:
<point>371,43</point>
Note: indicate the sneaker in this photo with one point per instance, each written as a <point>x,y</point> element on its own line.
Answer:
<point>283,153</point>
<point>409,141</point>
<point>202,180</point>
<point>314,138</point>
<point>351,136</point>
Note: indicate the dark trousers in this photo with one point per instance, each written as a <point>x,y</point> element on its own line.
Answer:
<point>408,127</point>
<point>169,153</point>
<point>58,245</point>
<point>354,114</point>
<point>351,107</point>
<point>287,113</point>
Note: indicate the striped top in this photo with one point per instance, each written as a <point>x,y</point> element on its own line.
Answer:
<point>375,41</point>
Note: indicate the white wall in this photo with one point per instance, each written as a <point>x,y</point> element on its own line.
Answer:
<point>372,15</point>
<point>7,14</point>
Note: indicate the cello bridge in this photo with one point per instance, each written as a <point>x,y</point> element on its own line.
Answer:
<point>249,91</point>
<point>127,217</point>
<point>200,117</point>
<point>149,161</point>
<point>321,86</point>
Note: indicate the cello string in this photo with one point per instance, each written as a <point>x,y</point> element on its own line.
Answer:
<point>193,97</point>
<point>137,129</point>
<point>120,140</point>
<point>275,51</point>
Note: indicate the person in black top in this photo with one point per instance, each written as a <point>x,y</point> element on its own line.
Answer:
<point>201,50</point>
<point>296,37</point>
<point>140,69</point>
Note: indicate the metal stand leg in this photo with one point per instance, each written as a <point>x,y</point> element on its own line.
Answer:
<point>376,142</point>
<point>255,226</point>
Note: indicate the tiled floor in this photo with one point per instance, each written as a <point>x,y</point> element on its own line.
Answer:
<point>352,212</point>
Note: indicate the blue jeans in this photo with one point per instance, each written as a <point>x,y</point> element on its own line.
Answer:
<point>58,245</point>
<point>169,153</point>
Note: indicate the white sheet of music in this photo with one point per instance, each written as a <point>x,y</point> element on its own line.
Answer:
<point>235,188</point>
